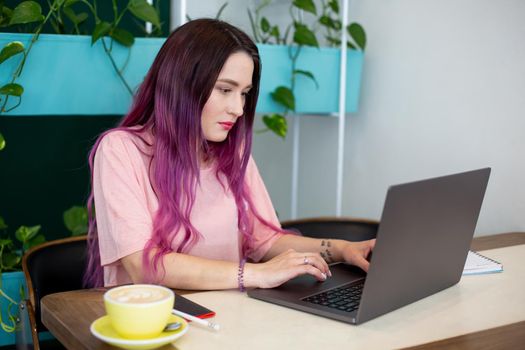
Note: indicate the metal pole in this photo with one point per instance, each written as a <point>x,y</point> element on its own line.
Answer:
<point>295,165</point>
<point>342,113</point>
<point>149,27</point>
<point>178,10</point>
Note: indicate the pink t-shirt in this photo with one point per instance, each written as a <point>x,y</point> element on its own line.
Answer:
<point>125,205</point>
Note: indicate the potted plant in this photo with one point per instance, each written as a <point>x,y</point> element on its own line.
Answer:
<point>12,283</point>
<point>12,287</point>
<point>104,66</point>
<point>297,68</point>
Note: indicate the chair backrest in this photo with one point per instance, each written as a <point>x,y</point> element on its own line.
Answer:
<point>351,229</point>
<point>53,267</point>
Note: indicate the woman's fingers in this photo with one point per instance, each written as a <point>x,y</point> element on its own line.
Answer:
<point>316,260</point>
<point>361,262</point>
<point>314,271</point>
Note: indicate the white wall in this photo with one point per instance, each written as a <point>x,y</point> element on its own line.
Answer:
<point>443,91</point>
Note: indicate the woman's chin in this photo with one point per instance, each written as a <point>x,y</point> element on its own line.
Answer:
<point>217,138</point>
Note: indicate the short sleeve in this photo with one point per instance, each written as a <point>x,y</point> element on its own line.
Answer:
<point>124,222</point>
<point>264,236</point>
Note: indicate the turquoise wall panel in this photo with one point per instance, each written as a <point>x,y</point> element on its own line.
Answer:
<point>65,75</point>
<point>324,65</point>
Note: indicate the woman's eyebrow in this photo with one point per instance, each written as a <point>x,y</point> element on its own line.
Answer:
<point>232,82</point>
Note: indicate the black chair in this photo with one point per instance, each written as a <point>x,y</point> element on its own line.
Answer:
<point>351,229</point>
<point>52,267</point>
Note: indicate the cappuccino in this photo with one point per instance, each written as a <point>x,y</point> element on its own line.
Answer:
<point>139,311</point>
<point>138,295</point>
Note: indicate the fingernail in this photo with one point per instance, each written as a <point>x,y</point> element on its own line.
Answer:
<point>324,275</point>
<point>329,273</point>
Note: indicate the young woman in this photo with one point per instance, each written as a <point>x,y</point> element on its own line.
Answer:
<point>178,198</point>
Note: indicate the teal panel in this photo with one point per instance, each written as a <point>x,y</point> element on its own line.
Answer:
<point>65,75</point>
<point>325,66</point>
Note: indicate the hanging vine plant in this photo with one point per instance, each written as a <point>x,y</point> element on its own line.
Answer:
<point>27,16</point>
<point>302,35</point>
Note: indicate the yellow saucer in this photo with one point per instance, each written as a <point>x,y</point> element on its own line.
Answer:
<point>102,329</point>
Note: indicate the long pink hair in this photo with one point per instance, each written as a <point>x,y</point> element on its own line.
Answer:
<point>170,102</point>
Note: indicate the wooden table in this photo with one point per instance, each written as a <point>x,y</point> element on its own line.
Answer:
<point>252,323</point>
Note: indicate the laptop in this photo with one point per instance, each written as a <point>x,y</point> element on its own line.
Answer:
<point>421,247</point>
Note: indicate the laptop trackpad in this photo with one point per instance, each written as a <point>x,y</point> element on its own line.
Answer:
<point>306,285</point>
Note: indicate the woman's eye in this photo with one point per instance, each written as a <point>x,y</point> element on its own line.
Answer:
<point>224,90</point>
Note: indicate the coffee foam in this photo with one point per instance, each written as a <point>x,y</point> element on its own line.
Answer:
<point>138,295</point>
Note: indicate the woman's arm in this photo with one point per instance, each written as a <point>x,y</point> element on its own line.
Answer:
<point>190,272</point>
<point>331,250</point>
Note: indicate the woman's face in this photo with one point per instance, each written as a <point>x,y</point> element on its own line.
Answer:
<point>226,102</point>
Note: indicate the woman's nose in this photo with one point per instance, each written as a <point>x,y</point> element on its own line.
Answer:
<point>236,106</point>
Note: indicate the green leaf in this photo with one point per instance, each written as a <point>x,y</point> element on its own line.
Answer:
<point>5,15</point>
<point>10,260</point>
<point>4,18</point>
<point>350,45</point>
<point>275,32</point>
<point>308,75</point>
<point>24,233</point>
<point>304,36</point>
<point>101,29</point>
<point>81,17</point>
<point>265,25</point>
<point>2,146</point>
<point>123,37</point>
<point>68,3</point>
<point>3,225</point>
<point>306,5</point>
<point>26,12</point>
<point>73,17</point>
<point>11,49</point>
<point>334,5</point>
<point>76,220</point>
<point>276,123</point>
<point>5,242</point>
<point>39,239</point>
<point>144,11</point>
<point>327,22</point>
<point>357,33</point>
<point>12,89</point>
<point>284,96</point>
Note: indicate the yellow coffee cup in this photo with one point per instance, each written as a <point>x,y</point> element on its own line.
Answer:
<point>139,311</point>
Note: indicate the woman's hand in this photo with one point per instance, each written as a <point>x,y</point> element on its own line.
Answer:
<point>284,267</point>
<point>356,253</point>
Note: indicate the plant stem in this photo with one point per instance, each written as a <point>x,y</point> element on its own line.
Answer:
<point>115,67</point>
<point>18,71</point>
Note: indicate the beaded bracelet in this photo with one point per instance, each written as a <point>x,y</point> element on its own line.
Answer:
<point>240,275</point>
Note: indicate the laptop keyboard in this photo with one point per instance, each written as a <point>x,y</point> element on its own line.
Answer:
<point>345,298</point>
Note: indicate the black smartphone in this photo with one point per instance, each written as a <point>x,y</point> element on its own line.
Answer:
<point>192,308</point>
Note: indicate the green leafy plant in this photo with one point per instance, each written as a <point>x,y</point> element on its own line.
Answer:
<point>11,259</point>
<point>27,16</point>
<point>301,35</point>
<point>11,254</point>
<point>12,251</point>
<point>76,220</point>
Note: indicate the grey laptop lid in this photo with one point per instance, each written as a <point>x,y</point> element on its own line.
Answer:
<point>422,243</point>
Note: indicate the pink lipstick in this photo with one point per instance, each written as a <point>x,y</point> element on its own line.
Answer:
<point>226,125</point>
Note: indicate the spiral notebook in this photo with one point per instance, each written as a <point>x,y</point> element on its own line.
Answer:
<point>479,264</point>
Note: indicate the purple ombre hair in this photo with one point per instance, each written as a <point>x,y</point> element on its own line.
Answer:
<point>169,103</point>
